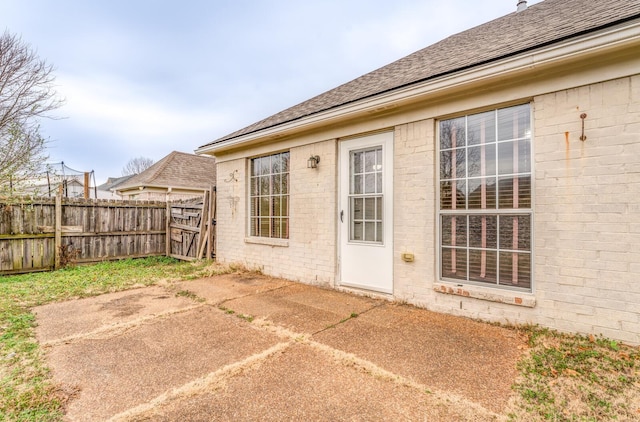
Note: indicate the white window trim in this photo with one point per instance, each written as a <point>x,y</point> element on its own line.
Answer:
<point>259,240</point>
<point>469,288</point>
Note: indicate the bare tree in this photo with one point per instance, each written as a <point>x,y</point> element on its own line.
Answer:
<point>136,165</point>
<point>26,94</point>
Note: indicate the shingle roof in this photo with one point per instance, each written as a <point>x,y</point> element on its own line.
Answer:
<point>541,24</point>
<point>113,182</point>
<point>177,169</point>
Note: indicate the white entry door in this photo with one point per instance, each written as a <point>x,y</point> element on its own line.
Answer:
<point>366,213</point>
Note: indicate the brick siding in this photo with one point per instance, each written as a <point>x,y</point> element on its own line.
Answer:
<point>586,206</point>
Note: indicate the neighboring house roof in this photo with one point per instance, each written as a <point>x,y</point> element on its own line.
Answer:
<point>542,24</point>
<point>176,170</point>
<point>113,182</point>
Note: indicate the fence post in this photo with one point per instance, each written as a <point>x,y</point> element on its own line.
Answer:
<point>203,236</point>
<point>57,243</point>
<point>86,185</point>
<point>168,230</point>
<point>212,227</point>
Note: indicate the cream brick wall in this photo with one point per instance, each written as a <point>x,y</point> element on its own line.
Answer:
<point>309,255</point>
<point>414,212</point>
<point>586,212</point>
<point>586,219</point>
<point>587,209</point>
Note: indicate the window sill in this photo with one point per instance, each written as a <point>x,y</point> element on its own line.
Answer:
<point>267,241</point>
<point>484,293</point>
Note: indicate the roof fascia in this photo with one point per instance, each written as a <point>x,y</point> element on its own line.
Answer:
<point>161,187</point>
<point>585,45</point>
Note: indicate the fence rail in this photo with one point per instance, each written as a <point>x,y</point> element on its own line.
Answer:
<point>42,234</point>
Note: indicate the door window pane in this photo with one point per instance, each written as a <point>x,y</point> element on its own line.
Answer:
<point>357,231</point>
<point>357,184</point>
<point>366,195</point>
<point>370,208</point>
<point>370,231</point>
<point>370,183</point>
<point>357,208</point>
<point>357,162</point>
<point>369,161</point>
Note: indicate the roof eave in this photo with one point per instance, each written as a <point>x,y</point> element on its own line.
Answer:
<point>172,187</point>
<point>585,45</point>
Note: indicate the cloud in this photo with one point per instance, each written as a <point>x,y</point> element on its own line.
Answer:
<point>108,120</point>
<point>144,78</point>
<point>128,114</point>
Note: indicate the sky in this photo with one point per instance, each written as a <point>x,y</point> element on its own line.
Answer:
<point>142,78</point>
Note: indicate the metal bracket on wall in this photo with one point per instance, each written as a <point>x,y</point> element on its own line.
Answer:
<point>583,116</point>
<point>233,177</point>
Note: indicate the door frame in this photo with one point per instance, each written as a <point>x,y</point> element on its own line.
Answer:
<point>386,139</point>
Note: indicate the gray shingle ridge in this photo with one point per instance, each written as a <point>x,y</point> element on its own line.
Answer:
<point>542,24</point>
<point>113,182</point>
<point>150,174</point>
<point>176,169</point>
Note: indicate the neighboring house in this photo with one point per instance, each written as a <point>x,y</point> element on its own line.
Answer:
<point>493,175</point>
<point>107,190</point>
<point>177,176</point>
<point>72,187</point>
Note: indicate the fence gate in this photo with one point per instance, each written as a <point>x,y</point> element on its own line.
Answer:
<point>191,227</point>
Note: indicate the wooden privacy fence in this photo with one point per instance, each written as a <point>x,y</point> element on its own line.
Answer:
<point>44,233</point>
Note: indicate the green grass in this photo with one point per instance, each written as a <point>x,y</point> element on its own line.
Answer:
<point>577,378</point>
<point>189,295</point>
<point>26,390</point>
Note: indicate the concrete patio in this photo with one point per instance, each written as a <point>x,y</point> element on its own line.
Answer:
<point>250,347</point>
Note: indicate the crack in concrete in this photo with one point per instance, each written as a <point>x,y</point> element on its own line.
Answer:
<point>213,380</point>
<point>116,329</point>
<point>218,304</point>
<point>376,371</point>
<point>465,405</point>
<point>345,320</point>
<point>218,378</point>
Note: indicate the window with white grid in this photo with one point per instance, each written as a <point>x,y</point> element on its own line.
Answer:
<point>269,196</point>
<point>485,213</point>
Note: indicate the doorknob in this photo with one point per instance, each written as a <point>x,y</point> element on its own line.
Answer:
<point>342,216</point>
